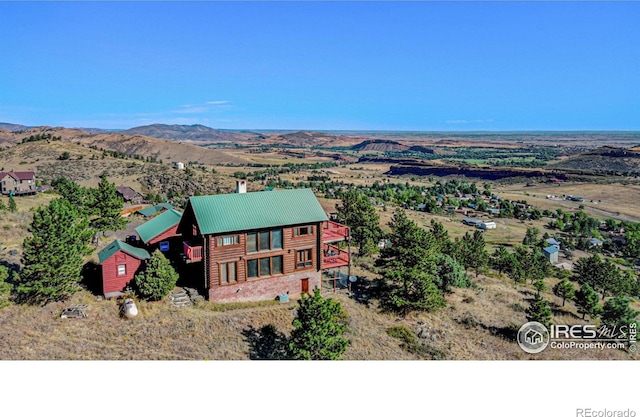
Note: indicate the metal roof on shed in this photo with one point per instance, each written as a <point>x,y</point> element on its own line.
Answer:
<point>158,225</point>
<point>117,245</point>
<point>150,211</point>
<point>234,212</point>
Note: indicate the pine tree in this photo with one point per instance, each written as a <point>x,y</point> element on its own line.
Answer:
<point>13,207</point>
<point>587,302</point>
<point>81,198</point>
<point>617,313</point>
<point>450,273</point>
<point>53,255</point>
<point>409,263</point>
<point>539,311</point>
<point>157,279</point>
<point>5,287</point>
<point>565,290</point>
<point>318,328</point>
<point>501,260</point>
<point>360,215</point>
<point>539,285</point>
<point>531,237</point>
<point>108,207</point>
<point>472,251</point>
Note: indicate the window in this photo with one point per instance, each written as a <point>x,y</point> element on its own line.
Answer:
<point>228,273</point>
<point>265,240</point>
<point>276,239</point>
<point>252,242</point>
<point>252,268</point>
<point>276,265</point>
<point>228,240</point>
<point>122,269</point>
<point>303,231</point>
<point>304,258</point>
<point>264,267</point>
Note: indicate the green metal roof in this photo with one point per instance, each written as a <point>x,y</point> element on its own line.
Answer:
<point>158,225</point>
<point>150,211</point>
<point>234,212</point>
<point>117,245</point>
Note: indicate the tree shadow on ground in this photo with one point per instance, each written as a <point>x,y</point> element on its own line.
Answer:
<point>266,343</point>
<point>558,311</point>
<point>509,333</point>
<point>92,278</point>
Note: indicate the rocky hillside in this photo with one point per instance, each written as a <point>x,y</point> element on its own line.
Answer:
<point>607,159</point>
<point>379,145</point>
<point>144,146</point>
<point>304,139</point>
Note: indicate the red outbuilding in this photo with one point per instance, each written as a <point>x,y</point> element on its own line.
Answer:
<point>119,262</point>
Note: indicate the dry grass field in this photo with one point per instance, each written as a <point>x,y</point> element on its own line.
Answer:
<point>600,200</point>
<point>477,324</point>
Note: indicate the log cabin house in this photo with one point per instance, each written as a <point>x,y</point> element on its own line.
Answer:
<point>259,245</point>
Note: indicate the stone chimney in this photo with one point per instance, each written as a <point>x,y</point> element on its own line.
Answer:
<point>241,186</point>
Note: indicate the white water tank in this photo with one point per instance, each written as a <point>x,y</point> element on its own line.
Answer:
<point>130,308</point>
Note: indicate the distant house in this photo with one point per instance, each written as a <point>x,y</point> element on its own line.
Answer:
<point>151,211</point>
<point>551,253</point>
<point>129,195</point>
<point>493,211</point>
<point>160,228</point>
<point>120,262</point>
<point>594,242</point>
<point>471,222</point>
<point>259,245</point>
<point>18,183</point>
<point>552,242</point>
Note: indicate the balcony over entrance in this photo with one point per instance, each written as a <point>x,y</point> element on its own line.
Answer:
<point>192,253</point>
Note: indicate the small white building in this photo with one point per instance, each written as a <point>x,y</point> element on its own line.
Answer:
<point>486,225</point>
<point>179,165</point>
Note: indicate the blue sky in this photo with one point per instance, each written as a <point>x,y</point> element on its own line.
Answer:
<point>322,65</point>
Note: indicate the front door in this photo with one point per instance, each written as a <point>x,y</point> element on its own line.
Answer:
<point>305,285</point>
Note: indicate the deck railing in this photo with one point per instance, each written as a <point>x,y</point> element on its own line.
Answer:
<point>192,253</point>
<point>334,257</point>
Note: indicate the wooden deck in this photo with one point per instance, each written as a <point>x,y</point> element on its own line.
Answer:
<point>334,257</point>
<point>192,253</point>
<point>334,232</point>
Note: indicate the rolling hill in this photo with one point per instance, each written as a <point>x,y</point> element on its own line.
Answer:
<point>604,159</point>
<point>164,149</point>
<point>191,133</point>
<point>304,139</point>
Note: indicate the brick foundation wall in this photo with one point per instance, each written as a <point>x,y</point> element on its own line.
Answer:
<point>265,288</point>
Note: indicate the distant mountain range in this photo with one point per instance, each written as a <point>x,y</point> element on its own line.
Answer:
<point>13,127</point>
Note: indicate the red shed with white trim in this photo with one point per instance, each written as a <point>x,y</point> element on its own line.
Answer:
<point>119,262</point>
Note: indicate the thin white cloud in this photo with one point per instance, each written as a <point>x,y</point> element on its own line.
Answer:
<point>188,109</point>
<point>217,102</point>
